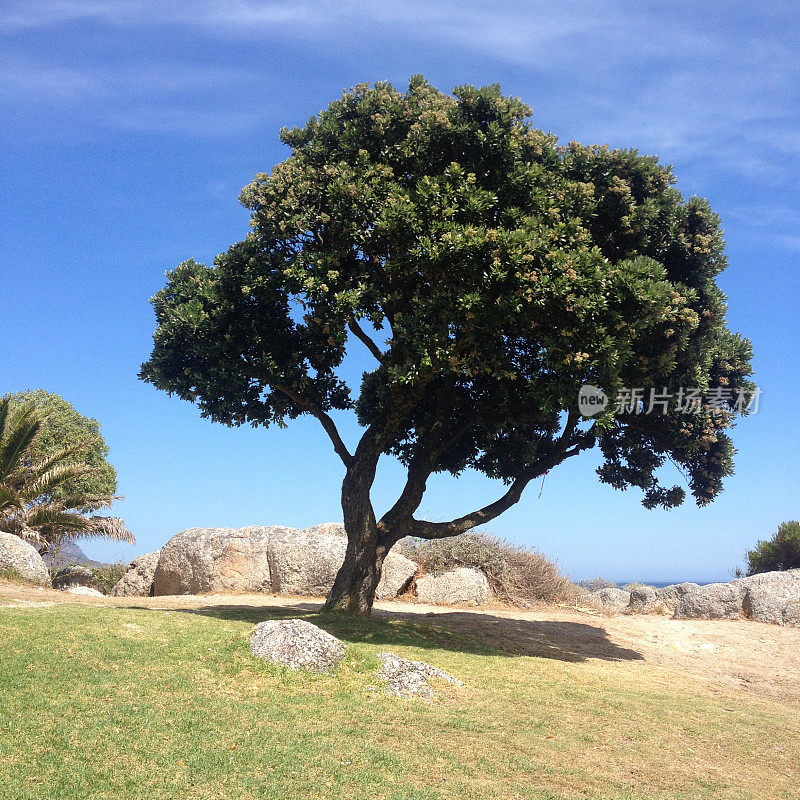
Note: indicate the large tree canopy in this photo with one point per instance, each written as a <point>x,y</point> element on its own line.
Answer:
<point>64,428</point>
<point>490,273</point>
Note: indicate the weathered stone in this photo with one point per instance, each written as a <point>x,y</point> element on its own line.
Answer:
<point>327,528</point>
<point>304,563</point>
<point>210,560</point>
<point>73,575</point>
<point>714,601</point>
<point>668,597</point>
<point>791,614</point>
<point>260,559</point>
<point>19,557</point>
<point>769,594</point>
<point>642,599</point>
<point>611,599</point>
<point>596,584</point>
<point>398,572</point>
<point>460,585</point>
<point>406,678</point>
<point>89,591</point>
<point>296,644</point>
<point>138,579</point>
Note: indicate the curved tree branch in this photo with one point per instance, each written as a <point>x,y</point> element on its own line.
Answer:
<point>325,420</point>
<point>371,346</point>
<point>565,447</point>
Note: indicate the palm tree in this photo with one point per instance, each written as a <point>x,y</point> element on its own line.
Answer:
<point>27,505</point>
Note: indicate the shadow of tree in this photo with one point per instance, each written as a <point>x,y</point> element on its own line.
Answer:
<point>461,631</point>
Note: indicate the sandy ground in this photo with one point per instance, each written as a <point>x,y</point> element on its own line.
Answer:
<point>732,657</point>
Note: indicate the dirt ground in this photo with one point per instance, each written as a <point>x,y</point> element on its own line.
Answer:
<point>730,657</point>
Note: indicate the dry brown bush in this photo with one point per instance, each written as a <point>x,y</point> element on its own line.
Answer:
<point>518,575</point>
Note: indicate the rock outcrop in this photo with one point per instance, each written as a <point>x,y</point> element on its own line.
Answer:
<point>138,579</point>
<point>72,576</point>
<point>460,585</point>
<point>296,644</point>
<point>668,597</point>
<point>265,559</point>
<point>713,601</point>
<point>611,599</point>
<point>767,597</point>
<point>398,572</point>
<point>210,560</point>
<point>20,558</point>
<point>404,678</point>
<point>772,597</point>
<point>642,599</point>
<point>304,563</point>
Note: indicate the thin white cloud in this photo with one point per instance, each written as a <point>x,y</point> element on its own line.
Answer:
<point>677,83</point>
<point>24,79</point>
<point>183,119</point>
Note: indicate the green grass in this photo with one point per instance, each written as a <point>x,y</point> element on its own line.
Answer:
<point>107,702</point>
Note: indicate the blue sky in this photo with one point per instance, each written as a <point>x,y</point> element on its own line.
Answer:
<point>128,129</point>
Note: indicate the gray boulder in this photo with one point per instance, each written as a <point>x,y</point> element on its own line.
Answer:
<point>73,575</point>
<point>304,563</point>
<point>264,559</point>
<point>296,644</point>
<point>714,601</point>
<point>19,557</point>
<point>211,560</point>
<point>596,584</point>
<point>138,579</point>
<point>642,599</point>
<point>327,528</point>
<point>461,585</point>
<point>769,596</point>
<point>791,614</point>
<point>668,597</point>
<point>398,572</point>
<point>611,599</point>
<point>406,678</point>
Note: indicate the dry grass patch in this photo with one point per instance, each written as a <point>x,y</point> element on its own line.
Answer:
<point>519,576</point>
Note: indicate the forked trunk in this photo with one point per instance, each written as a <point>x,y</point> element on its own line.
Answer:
<point>358,577</point>
<point>354,588</point>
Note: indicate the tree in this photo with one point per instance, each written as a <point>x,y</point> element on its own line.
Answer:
<point>780,552</point>
<point>489,273</point>
<point>41,497</point>
<point>61,428</point>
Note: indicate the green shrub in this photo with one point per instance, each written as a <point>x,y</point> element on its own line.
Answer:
<point>107,576</point>
<point>780,552</point>
<point>518,575</point>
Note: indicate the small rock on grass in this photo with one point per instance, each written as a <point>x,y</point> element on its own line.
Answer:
<point>406,678</point>
<point>85,590</point>
<point>296,644</point>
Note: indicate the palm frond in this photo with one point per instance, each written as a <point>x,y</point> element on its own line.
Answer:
<point>10,500</point>
<point>5,404</point>
<point>110,528</point>
<point>58,458</point>
<point>50,520</point>
<point>21,429</point>
<point>44,484</point>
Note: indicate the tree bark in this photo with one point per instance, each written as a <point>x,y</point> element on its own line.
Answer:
<point>354,588</point>
<point>357,580</point>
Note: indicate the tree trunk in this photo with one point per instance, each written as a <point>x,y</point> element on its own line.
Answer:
<point>354,588</point>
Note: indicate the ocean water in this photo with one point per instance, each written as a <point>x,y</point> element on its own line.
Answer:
<point>662,584</point>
